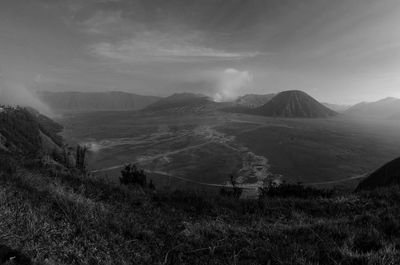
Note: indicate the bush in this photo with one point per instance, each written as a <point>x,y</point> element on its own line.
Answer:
<point>367,240</point>
<point>390,225</point>
<point>132,175</point>
<point>294,190</point>
<point>7,164</point>
<point>234,192</point>
<point>191,201</point>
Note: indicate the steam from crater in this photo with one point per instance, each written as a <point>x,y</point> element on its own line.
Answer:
<point>12,94</point>
<point>231,83</point>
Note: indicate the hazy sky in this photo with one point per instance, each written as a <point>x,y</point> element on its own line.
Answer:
<point>341,51</point>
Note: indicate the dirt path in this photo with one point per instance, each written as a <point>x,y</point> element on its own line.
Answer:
<point>149,158</point>
<point>337,181</point>
<point>253,166</point>
<point>243,186</point>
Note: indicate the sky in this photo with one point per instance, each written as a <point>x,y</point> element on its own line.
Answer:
<point>342,51</point>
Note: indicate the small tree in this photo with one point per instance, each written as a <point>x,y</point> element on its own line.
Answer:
<point>151,185</point>
<point>7,164</point>
<point>132,175</point>
<point>81,157</point>
<point>236,191</point>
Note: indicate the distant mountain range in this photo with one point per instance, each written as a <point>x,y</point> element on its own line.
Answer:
<point>387,108</point>
<point>179,100</point>
<point>284,104</point>
<point>293,104</point>
<point>95,101</point>
<point>254,100</point>
<point>187,102</point>
<point>336,107</point>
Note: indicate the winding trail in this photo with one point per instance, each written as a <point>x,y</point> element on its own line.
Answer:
<point>211,136</point>
<point>337,181</point>
<point>249,186</point>
<point>149,158</point>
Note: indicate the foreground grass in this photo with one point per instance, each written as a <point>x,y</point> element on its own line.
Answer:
<point>72,219</point>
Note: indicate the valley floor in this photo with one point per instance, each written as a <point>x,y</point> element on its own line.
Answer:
<point>209,147</point>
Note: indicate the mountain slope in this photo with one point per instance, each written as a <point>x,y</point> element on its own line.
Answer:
<point>336,107</point>
<point>387,175</point>
<point>185,102</point>
<point>23,131</point>
<point>294,104</point>
<point>95,101</point>
<point>26,137</point>
<point>253,100</point>
<point>384,108</point>
<point>395,116</point>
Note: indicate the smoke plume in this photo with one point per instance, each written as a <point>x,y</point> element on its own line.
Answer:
<point>12,94</point>
<point>231,83</point>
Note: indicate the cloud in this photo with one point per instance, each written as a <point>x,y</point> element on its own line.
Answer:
<point>156,46</point>
<point>103,23</point>
<point>231,83</point>
<point>13,94</point>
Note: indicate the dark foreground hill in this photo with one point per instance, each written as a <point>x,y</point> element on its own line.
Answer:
<point>27,133</point>
<point>387,175</point>
<point>95,101</point>
<point>294,104</point>
<point>59,215</point>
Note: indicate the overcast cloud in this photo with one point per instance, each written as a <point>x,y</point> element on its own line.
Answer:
<point>342,51</point>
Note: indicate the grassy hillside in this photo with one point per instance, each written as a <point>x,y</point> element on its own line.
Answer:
<point>20,132</point>
<point>71,219</point>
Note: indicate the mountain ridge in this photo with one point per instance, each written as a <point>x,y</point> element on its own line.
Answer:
<point>253,100</point>
<point>186,102</point>
<point>384,108</point>
<point>95,101</point>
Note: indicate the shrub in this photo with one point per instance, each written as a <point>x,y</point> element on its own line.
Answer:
<point>294,190</point>
<point>233,192</point>
<point>81,157</point>
<point>390,224</point>
<point>191,201</point>
<point>367,240</point>
<point>132,175</point>
<point>7,164</point>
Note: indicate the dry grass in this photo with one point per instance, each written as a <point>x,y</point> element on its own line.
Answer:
<point>72,219</point>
